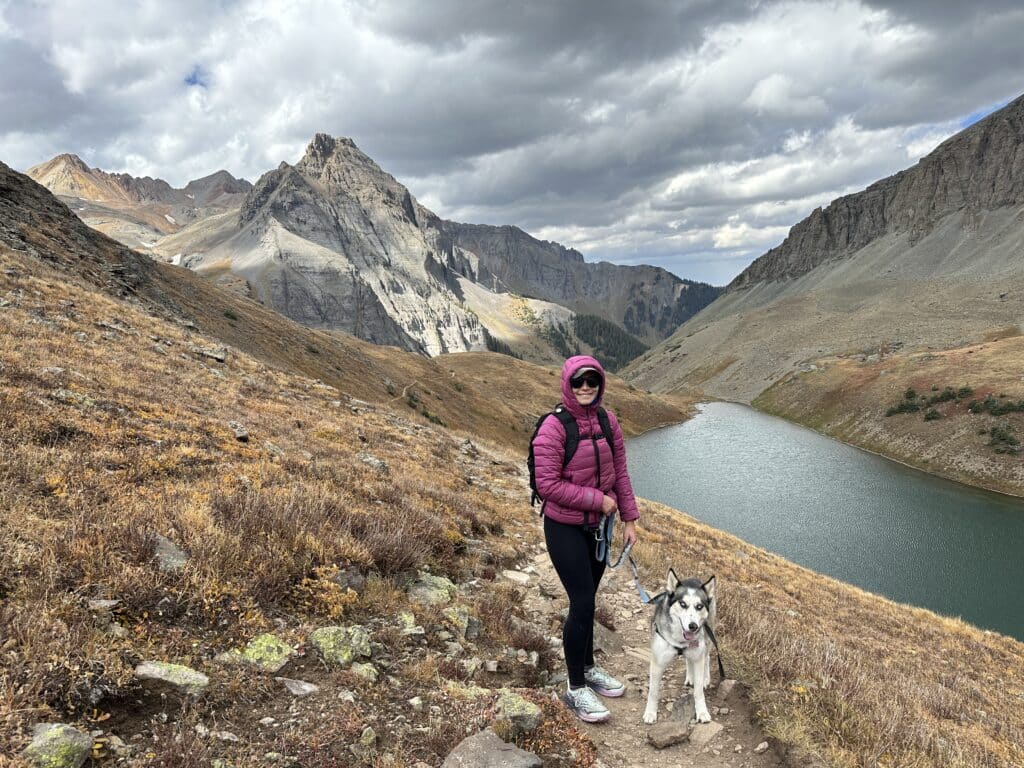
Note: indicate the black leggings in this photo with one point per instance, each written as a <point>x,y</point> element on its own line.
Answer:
<point>571,548</point>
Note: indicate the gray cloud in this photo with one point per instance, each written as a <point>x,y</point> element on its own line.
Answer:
<point>687,133</point>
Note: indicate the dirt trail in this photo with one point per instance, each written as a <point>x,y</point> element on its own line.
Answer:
<point>622,741</point>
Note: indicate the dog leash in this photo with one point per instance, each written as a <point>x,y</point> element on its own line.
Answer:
<point>603,553</point>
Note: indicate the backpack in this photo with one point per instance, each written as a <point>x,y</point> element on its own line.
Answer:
<point>572,441</point>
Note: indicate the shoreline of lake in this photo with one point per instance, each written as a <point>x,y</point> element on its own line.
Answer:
<point>857,515</point>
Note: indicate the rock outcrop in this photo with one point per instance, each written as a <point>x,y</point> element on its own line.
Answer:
<point>648,302</point>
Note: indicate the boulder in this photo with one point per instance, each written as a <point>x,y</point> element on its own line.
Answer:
<point>487,750</point>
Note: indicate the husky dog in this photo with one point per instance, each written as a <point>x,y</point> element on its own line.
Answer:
<point>681,615</point>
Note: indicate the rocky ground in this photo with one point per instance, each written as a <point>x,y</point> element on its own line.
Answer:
<point>731,739</point>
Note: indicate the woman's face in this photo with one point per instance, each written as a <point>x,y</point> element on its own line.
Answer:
<point>585,387</point>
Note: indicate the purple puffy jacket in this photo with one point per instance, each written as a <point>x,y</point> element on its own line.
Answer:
<point>573,495</point>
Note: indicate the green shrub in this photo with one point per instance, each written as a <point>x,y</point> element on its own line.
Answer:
<point>931,415</point>
<point>1003,440</point>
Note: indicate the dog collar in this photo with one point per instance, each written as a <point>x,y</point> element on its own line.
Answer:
<point>680,649</point>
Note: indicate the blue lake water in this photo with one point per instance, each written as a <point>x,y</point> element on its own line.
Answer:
<point>872,522</point>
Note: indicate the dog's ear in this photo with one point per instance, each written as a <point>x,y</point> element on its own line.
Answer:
<point>673,580</point>
<point>709,587</point>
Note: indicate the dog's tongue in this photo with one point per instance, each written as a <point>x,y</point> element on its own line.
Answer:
<point>688,636</point>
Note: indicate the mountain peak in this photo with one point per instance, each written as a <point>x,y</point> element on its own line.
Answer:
<point>70,160</point>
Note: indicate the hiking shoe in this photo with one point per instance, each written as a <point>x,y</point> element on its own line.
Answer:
<point>603,683</point>
<point>586,705</point>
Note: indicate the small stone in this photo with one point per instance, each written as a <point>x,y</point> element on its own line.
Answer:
<point>298,687</point>
<point>183,679</point>
<point>487,749</point>
<point>373,461</point>
<point>347,696</point>
<point>220,354</point>
<point>266,652</point>
<point>703,733</point>
<point>56,745</point>
<point>226,736</point>
<point>169,558</point>
<point>668,733</point>
<point>522,714</point>
<point>431,590</point>
<point>761,748</point>
<point>340,645</point>
<point>367,671</point>
<point>491,665</point>
<point>517,576</point>
<point>267,721</point>
<point>725,688</point>
<point>241,433</point>
<point>407,623</point>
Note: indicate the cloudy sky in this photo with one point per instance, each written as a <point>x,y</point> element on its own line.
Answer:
<point>685,133</point>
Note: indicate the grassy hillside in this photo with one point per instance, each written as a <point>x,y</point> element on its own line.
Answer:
<point>115,427</point>
<point>936,429</point>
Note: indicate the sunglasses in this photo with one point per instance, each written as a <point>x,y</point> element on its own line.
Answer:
<point>592,380</point>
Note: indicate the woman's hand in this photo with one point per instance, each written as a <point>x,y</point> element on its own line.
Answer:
<point>609,506</point>
<point>629,533</point>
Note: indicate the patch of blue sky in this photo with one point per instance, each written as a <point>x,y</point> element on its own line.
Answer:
<point>974,117</point>
<point>198,76</point>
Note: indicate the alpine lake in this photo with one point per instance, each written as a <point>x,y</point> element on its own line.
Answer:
<point>882,526</point>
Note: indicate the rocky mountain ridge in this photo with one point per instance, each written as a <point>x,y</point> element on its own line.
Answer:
<point>137,211</point>
<point>980,168</point>
<point>335,242</point>
<point>926,259</point>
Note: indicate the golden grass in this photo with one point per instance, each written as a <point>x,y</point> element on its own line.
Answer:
<point>110,434</point>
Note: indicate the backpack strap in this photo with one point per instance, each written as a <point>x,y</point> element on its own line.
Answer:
<point>606,428</point>
<point>572,432</point>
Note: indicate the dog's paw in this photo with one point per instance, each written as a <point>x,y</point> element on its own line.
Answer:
<point>650,717</point>
<point>703,716</point>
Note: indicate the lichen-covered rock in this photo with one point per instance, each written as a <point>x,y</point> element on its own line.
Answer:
<point>266,652</point>
<point>407,623</point>
<point>55,745</point>
<point>431,590</point>
<point>457,617</point>
<point>522,714</point>
<point>340,646</point>
<point>183,679</point>
<point>367,671</point>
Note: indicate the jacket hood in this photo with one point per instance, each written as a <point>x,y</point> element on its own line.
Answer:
<point>569,368</point>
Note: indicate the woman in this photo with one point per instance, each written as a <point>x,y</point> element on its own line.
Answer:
<point>577,498</point>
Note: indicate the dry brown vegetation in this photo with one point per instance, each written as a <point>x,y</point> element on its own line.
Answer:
<point>842,674</point>
<point>847,398</point>
<point>113,430</point>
